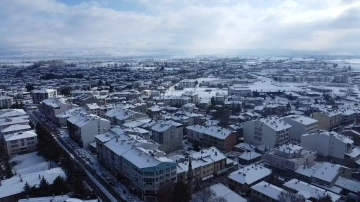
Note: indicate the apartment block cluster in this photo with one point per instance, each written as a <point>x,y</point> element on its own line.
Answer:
<point>154,127</point>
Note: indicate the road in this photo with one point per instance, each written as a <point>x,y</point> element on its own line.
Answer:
<point>97,184</point>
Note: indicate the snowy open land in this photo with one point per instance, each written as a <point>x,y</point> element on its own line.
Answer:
<point>29,163</point>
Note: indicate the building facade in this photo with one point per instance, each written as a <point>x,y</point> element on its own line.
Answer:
<point>42,94</point>
<point>169,134</point>
<point>301,125</point>
<point>270,131</point>
<point>328,120</point>
<point>21,142</point>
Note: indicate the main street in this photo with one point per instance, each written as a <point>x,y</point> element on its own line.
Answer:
<point>97,184</point>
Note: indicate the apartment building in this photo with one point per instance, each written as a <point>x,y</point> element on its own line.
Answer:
<point>328,120</point>
<point>241,180</point>
<point>301,125</point>
<point>205,164</point>
<point>169,134</point>
<point>194,97</point>
<point>6,102</point>
<point>42,94</point>
<point>20,142</point>
<point>54,106</point>
<point>140,163</point>
<point>83,127</point>
<point>289,157</point>
<point>222,138</point>
<point>61,118</point>
<point>176,101</point>
<point>187,83</point>
<point>327,143</point>
<point>240,91</point>
<point>93,108</point>
<point>270,131</point>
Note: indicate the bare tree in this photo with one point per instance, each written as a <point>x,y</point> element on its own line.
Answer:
<point>285,196</point>
<point>207,195</point>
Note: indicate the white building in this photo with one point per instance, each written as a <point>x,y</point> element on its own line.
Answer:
<point>169,134</point>
<point>176,100</point>
<point>187,83</point>
<point>289,157</point>
<point>140,163</point>
<point>21,142</point>
<point>83,128</point>
<point>301,125</point>
<point>327,143</point>
<point>239,91</point>
<point>270,131</point>
<point>61,118</point>
<point>6,102</point>
<point>43,94</point>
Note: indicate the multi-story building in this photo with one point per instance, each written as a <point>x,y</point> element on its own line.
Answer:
<point>176,100</point>
<point>194,97</point>
<point>169,134</point>
<point>6,102</point>
<point>328,120</point>
<point>54,106</point>
<point>83,128</point>
<point>93,108</point>
<point>205,164</point>
<point>61,118</point>
<point>140,163</point>
<point>242,179</point>
<point>20,142</point>
<point>187,83</point>
<point>42,94</point>
<point>270,131</point>
<point>289,157</point>
<point>222,138</point>
<point>241,91</point>
<point>300,125</point>
<point>327,143</point>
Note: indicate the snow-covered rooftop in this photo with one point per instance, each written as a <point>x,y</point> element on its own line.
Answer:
<point>327,172</point>
<point>218,132</point>
<point>15,127</point>
<point>308,190</point>
<point>165,125</point>
<point>268,189</point>
<point>221,190</point>
<point>301,119</point>
<point>275,123</point>
<point>250,174</point>
<point>16,184</point>
<point>5,113</point>
<point>20,135</point>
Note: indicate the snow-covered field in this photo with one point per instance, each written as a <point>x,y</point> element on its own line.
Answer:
<point>29,163</point>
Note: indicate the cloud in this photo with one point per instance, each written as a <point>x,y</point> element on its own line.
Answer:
<point>198,26</point>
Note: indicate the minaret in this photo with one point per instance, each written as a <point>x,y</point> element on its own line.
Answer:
<point>190,178</point>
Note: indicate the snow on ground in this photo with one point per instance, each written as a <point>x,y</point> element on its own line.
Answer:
<point>29,163</point>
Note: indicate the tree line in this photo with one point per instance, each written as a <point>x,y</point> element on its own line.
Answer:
<point>51,151</point>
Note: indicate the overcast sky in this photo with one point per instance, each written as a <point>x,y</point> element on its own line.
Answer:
<point>199,26</point>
